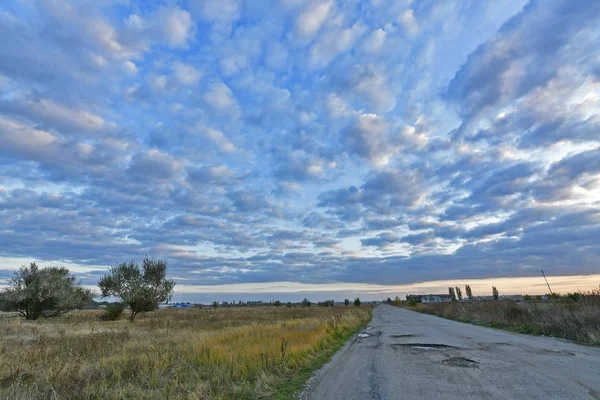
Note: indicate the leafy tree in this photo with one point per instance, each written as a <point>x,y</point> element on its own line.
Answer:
<point>495,292</point>
<point>276,303</point>
<point>458,293</point>
<point>388,301</point>
<point>397,301</point>
<point>346,302</point>
<point>306,302</point>
<point>452,293</point>
<point>141,289</point>
<point>45,292</point>
<point>357,301</point>
<point>469,292</point>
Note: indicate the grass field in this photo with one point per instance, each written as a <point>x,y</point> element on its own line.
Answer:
<point>576,318</point>
<point>224,353</point>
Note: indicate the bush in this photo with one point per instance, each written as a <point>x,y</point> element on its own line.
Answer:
<point>357,301</point>
<point>113,311</point>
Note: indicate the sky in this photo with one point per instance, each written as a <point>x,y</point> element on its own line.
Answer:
<point>303,147</point>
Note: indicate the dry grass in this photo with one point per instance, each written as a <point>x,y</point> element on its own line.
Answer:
<point>225,353</point>
<point>563,317</point>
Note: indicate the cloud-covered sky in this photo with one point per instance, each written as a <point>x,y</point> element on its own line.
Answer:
<point>377,142</point>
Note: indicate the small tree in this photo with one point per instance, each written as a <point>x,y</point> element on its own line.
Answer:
<point>469,292</point>
<point>452,293</point>
<point>357,301</point>
<point>142,290</point>
<point>306,302</point>
<point>214,304</point>
<point>46,292</point>
<point>397,301</point>
<point>276,303</point>
<point>458,293</point>
<point>346,302</point>
<point>495,292</point>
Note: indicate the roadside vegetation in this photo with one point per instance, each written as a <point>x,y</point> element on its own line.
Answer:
<point>575,316</point>
<point>217,352</point>
<point>208,353</point>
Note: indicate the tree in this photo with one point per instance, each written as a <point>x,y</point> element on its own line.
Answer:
<point>141,289</point>
<point>495,292</point>
<point>469,292</point>
<point>306,302</point>
<point>452,293</point>
<point>346,302</point>
<point>357,301</point>
<point>276,303</point>
<point>388,301</point>
<point>45,292</point>
<point>214,304</point>
<point>458,293</point>
<point>397,301</point>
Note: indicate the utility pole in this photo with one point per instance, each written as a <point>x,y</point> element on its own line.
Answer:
<point>544,275</point>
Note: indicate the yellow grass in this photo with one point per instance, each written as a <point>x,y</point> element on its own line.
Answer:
<point>225,353</point>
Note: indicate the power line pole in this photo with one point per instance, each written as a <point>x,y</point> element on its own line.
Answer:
<point>544,275</point>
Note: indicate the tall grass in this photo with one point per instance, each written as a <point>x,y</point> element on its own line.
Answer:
<point>575,318</point>
<point>230,353</point>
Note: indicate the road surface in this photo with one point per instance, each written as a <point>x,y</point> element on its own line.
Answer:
<point>417,356</point>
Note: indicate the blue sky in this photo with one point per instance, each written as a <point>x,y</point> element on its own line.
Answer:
<point>325,142</point>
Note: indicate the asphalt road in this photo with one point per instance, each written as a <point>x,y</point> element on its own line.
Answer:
<point>417,356</point>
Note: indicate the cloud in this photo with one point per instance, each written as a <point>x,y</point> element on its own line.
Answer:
<point>375,143</point>
<point>186,74</point>
<point>173,25</point>
<point>369,138</point>
<point>219,139</point>
<point>220,97</point>
<point>217,10</point>
<point>311,19</point>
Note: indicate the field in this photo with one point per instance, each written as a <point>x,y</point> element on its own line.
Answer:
<point>223,353</point>
<point>575,318</point>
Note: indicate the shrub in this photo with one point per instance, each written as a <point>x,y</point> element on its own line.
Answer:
<point>113,311</point>
<point>346,302</point>
<point>357,301</point>
<point>495,292</point>
<point>306,302</point>
<point>277,303</point>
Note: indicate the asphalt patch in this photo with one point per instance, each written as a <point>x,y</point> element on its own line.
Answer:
<point>461,362</point>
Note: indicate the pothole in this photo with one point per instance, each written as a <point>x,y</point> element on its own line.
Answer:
<point>369,328</point>
<point>461,362</point>
<point>363,335</point>
<point>424,346</point>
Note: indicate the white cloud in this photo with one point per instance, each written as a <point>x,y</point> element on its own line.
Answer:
<point>130,67</point>
<point>331,44</point>
<point>173,26</point>
<point>219,139</point>
<point>220,97</point>
<point>216,10</point>
<point>374,42</point>
<point>185,73</point>
<point>310,20</point>
<point>408,21</point>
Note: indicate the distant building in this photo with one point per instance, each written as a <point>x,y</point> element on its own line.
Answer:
<point>429,298</point>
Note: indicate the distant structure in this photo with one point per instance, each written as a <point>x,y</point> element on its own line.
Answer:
<point>429,298</point>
